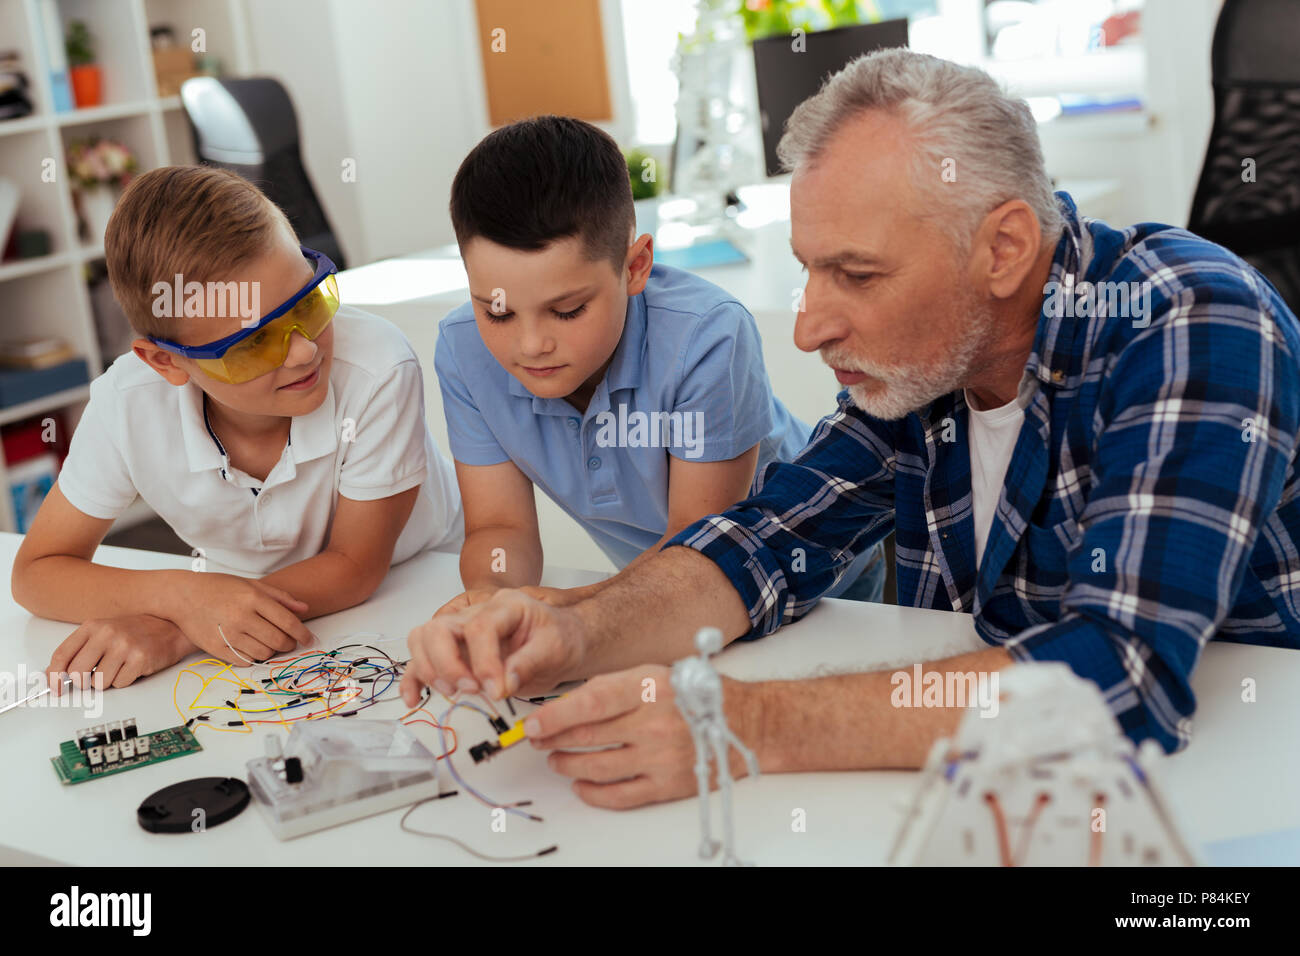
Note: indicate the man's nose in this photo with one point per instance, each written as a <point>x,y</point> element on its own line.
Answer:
<point>815,324</point>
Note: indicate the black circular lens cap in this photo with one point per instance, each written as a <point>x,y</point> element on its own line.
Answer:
<point>172,809</point>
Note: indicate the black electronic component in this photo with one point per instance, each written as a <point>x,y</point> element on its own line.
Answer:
<point>499,725</point>
<point>293,770</point>
<point>481,752</point>
<point>92,737</point>
<point>129,729</point>
<point>193,806</point>
<point>114,732</point>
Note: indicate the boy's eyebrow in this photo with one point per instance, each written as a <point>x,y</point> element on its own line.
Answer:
<point>847,257</point>
<point>487,300</point>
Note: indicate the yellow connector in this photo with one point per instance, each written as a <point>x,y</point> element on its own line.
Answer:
<point>513,735</point>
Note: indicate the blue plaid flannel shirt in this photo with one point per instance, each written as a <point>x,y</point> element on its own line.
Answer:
<point>1150,504</point>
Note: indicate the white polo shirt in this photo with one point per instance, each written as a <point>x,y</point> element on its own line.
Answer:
<point>368,440</point>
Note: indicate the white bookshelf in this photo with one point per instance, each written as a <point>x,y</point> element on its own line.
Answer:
<point>48,295</point>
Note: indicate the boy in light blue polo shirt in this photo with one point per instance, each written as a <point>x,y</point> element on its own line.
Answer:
<point>633,394</point>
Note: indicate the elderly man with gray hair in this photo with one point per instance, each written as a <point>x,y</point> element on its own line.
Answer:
<point>1083,436</point>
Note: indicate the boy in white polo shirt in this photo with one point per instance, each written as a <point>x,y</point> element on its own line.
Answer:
<point>280,435</point>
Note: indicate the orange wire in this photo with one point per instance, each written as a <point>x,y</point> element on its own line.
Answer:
<point>1094,852</point>
<point>1004,845</point>
<point>1044,798</point>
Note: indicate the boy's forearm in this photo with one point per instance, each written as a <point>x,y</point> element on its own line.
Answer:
<point>66,588</point>
<point>328,582</point>
<point>500,558</point>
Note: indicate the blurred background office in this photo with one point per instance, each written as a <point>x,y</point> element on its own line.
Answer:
<point>355,115</point>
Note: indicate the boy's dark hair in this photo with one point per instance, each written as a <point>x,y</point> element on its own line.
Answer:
<point>546,178</point>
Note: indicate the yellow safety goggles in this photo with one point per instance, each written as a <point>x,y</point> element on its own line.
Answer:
<point>262,348</point>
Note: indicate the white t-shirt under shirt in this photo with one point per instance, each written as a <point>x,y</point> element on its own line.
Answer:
<point>367,440</point>
<point>993,434</point>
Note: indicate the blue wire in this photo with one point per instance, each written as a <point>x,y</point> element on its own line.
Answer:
<point>442,741</point>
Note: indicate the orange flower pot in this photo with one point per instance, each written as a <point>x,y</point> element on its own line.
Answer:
<point>87,85</point>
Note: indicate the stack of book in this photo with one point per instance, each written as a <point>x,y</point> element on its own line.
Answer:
<point>33,368</point>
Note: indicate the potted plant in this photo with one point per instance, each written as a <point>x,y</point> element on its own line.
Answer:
<point>643,172</point>
<point>99,169</point>
<point>83,71</point>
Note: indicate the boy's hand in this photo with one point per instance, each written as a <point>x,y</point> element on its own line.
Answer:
<point>504,645</point>
<point>257,619</point>
<point>122,649</point>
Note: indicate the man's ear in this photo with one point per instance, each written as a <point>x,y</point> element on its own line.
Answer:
<point>161,361</point>
<point>640,259</point>
<point>1012,236</point>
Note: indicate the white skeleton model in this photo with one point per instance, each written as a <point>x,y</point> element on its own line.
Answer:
<point>1049,781</point>
<point>698,690</point>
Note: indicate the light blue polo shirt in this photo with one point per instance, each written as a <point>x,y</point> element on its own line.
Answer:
<point>686,380</point>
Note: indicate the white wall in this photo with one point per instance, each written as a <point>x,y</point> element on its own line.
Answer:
<point>413,94</point>
<point>294,42</point>
<point>395,86</point>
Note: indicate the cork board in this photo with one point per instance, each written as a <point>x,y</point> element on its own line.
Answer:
<point>553,59</point>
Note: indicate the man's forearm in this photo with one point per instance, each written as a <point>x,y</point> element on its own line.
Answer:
<point>652,616</point>
<point>585,591</point>
<point>66,588</point>
<point>850,721</point>
<point>500,558</point>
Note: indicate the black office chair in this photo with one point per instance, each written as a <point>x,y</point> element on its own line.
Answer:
<point>1256,75</point>
<point>249,127</point>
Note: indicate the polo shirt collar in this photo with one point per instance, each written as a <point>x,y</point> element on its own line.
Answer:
<point>625,369</point>
<point>629,358</point>
<point>311,436</point>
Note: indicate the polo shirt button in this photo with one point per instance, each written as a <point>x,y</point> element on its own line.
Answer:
<point>573,423</point>
<point>593,463</point>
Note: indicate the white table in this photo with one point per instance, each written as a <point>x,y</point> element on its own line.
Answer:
<point>1240,775</point>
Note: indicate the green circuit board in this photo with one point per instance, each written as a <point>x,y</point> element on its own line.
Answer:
<point>73,765</point>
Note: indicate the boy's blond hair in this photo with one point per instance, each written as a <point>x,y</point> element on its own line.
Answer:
<point>199,222</point>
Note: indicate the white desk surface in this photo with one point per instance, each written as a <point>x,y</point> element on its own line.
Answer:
<point>1240,775</point>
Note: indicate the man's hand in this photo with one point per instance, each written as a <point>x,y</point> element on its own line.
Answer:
<point>122,649</point>
<point>507,644</point>
<point>464,599</point>
<point>556,597</point>
<point>652,755</point>
<point>257,619</point>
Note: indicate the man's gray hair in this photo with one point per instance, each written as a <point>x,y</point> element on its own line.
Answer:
<point>954,112</point>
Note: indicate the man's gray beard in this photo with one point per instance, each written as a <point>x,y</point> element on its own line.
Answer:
<point>906,390</point>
